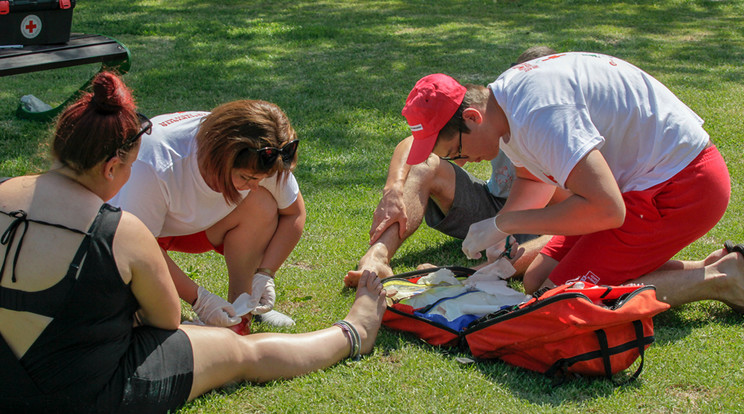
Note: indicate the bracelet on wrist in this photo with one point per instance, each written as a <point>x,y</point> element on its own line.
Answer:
<point>265,270</point>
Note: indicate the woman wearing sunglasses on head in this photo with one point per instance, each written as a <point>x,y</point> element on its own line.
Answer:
<point>79,274</point>
<point>222,180</point>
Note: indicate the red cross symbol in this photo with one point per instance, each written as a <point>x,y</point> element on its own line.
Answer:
<point>31,26</point>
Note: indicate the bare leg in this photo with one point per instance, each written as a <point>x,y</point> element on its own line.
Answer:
<point>527,253</point>
<point>537,273</point>
<point>684,264</point>
<point>245,233</point>
<point>222,357</point>
<point>722,279</point>
<point>433,179</point>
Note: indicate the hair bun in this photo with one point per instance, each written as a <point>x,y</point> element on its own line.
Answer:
<point>109,94</point>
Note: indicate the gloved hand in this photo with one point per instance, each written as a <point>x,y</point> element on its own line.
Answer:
<point>213,310</point>
<point>263,290</point>
<point>482,235</point>
<point>508,250</point>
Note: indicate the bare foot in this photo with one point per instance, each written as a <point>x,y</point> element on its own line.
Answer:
<point>715,256</point>
<point>733,293</point>
<point>367,310</point>
<point>375,261</point>
<point>423,266</point>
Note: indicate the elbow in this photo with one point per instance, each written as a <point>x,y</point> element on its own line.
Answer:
<point>614,216</point>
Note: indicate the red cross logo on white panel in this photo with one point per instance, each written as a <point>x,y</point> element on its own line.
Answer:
<point>31,26</point>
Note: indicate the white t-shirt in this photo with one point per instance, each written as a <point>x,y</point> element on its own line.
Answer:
<point>561,107</point>
<point>166,190</point>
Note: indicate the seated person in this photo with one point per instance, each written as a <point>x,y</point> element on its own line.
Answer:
<point>443,194</point>
<point>68,340</point>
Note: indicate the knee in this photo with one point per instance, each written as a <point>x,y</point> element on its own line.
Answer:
<point>435,175</point>
<point>258,206</point>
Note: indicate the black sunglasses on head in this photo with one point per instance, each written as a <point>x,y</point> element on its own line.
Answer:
<point>267,155</point>
<point>146,125</point>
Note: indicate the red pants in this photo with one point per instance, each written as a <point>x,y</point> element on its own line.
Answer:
<point>191,243</point>
<point>659,222</point>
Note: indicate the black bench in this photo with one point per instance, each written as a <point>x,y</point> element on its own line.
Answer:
<point>80,50</point>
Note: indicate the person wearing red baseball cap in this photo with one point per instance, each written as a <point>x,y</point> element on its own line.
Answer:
<point>442,193</point>
<point>632,159</point>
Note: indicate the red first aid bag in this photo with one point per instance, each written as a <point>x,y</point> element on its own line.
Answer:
<point>575,328</point>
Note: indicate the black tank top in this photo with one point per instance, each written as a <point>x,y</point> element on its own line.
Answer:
<point>78,352</point>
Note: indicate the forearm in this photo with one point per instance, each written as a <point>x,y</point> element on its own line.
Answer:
<point>573,216</point>
<point>398,169</point>
<point>594,204</point>
<point>186,288</point>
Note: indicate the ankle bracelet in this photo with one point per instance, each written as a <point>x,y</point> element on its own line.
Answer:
<point>353,336</point>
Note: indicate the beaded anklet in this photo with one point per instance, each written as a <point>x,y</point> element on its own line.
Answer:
<point>353,336</point>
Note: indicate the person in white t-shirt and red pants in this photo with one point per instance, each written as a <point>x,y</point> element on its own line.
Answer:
<point>642,178</point>
<point>222,181</point>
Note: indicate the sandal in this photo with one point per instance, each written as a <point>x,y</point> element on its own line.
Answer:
<point>354,339</point>
<point>730,247</point>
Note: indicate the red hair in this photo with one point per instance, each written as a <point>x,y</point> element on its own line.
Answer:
<point>94,127</point>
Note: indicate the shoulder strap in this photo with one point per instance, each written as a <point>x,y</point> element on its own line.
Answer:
<point>21,217</point>
<point>47,302</point>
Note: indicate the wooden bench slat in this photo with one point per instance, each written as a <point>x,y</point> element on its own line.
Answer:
<point>81,49</point>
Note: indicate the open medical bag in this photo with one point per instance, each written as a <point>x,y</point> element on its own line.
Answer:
<point>575,328</point>
<point>35,22</point>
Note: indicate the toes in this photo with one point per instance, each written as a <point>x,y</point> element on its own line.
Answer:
<point>731,247</point>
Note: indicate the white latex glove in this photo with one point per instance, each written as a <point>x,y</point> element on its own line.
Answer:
<point>482,235</point>
<point>213,310</point>
<point>263,290</point>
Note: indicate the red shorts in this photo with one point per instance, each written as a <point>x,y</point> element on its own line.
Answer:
<point>190,243</point>
<point>659,222</point>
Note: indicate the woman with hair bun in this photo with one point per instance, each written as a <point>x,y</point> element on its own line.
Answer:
<point>94,326</point>
<point>222,181</point>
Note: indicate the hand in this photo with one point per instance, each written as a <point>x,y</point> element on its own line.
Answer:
<point>263,290</point>
<point>510,250</point>
<point>213,310</point>
<point>390,210</point>
<point>482,235</point>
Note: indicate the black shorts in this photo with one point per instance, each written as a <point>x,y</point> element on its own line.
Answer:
<point>473,203</point>
<point>154,376</point>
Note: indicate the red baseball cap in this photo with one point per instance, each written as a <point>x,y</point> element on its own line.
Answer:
<point>429,106</point>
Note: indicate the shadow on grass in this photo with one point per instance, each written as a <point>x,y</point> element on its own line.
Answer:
<point>343,85</point>
<point>448,253</point>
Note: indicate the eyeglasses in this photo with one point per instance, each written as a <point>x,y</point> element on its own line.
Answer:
<point>267,155</point>
<point>146,125</point>
<point>459,152</point>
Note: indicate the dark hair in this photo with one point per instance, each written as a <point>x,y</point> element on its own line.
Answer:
<point>474,95</point>
<point>534,52</point>
<point>95,126</point>
<point>230,135</point>
<point>477,94</point>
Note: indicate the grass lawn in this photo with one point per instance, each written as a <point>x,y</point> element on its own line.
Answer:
<point>341,70</point>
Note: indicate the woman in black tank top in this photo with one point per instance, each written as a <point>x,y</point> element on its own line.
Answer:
<point>94,327</point>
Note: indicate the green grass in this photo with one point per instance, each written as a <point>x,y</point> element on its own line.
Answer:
<point>341,70</point>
